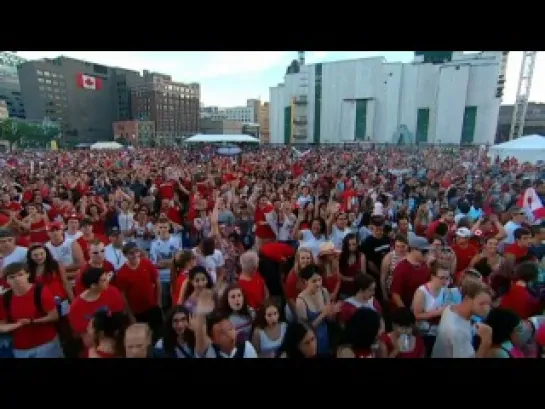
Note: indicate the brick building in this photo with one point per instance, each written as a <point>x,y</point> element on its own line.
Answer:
<point>173,106</point>
<point>135,133</point>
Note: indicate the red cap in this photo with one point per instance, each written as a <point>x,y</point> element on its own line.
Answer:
<point>540,336</point>
<point>54,226</point>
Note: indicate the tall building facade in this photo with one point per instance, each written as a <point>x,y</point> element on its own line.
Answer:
<point>4,112</point>
<point>82,97</point>
<point>534,122</point>
<point>449,101</point>
<point>10,90</point>
<point>264,130</point>
<point>173,106</point>
<point>249,113</point>
<point>135,133</point>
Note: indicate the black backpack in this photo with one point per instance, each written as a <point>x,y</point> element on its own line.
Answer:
<point>241,347</point>
<point>37,301</point>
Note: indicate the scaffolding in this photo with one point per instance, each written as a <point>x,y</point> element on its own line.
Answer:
<point>523,93</point>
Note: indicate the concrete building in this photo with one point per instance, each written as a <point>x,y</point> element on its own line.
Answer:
<point>533,124</point>
<point>173,106</point>
<point>4,112</point>
<point>220,127</point>
<point>369,99</point>
<point>212,112</point>
<point>135,133</point>
<point>82,97</point>
<point>249,113</point>
<point>10,91</point>
<point>264,123</point>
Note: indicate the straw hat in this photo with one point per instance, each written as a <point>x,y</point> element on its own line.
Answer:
<point>327,249</point>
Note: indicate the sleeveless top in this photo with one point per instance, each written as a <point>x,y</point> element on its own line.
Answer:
<point>349,288</point>
<point>322,335</point>
<point>511,350</point>
<point>38,233</point>
<point>431,302</point>
<point>269,347</point>
<point>62,253</point>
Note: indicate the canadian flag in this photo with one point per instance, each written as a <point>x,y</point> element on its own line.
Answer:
<point>531,202</point>
<point>88,82</point>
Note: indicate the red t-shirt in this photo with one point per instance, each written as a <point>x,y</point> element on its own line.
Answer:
<point>263,231</point>
<point>84,244</point>
<point>406,278</point>
<point>82,311</point>
<point>166,190</point>
<point>464,255</point>
<point>253,290</point>
<point>139,285</point>
<point>277,251</point>
<point>519,300</point>
<point>290,287</point>
<point>78,286</point>
<point>516,250</point>
<point>54,284</point>
<point>350,306</point>
<point>23,306</point>
<point>177,286</point>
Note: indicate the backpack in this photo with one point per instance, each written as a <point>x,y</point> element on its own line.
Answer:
<point>241,347</point>
<point>37,301</point>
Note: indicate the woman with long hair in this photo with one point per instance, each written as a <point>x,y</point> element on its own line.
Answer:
<point>178,338</point>
<point>351,263</point>
<point>35,224</point>
<point>234,305</point>
<point>269,330</point>
<point>294,285</point>
<point>198,279</point>
<point>182,263</point>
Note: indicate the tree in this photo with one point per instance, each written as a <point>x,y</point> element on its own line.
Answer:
<point>11,131</point>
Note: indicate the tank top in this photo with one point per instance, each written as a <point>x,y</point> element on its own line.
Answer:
<point>431,302</point>
<point>38,234</point>
<point>269,347</point>
<point>511,350</point>
<point>62,253</point>
<point>349,288</point>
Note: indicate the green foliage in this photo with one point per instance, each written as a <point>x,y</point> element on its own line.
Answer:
<point>27,135</point>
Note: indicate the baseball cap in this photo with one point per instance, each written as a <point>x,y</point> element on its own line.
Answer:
<point>73,216</point>
<point>463,232</point>
<point>6,232</point>
<point>418,243</point>
<point>54,226</point>
<point>114,231</point>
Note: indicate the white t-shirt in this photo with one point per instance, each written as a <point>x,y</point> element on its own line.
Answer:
<point>211,263</point>
<point>164,250</point>
<point>114,256</point>
<point>72,237</point>
<point>310,242</point>
<point>17,256</point>
<point>337,236</point>
<point>454,337</point>
<point>249,352</point>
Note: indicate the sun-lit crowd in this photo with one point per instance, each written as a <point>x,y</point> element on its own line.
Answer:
<point>366,252</point>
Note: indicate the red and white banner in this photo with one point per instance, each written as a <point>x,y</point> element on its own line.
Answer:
<point>89,82</point>
<point>531,202</point>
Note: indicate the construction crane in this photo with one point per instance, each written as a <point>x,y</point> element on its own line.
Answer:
<point>523,93</point>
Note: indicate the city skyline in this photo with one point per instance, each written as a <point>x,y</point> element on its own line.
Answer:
<point>229,78</point>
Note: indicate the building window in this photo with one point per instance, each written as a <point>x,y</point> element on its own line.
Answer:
<point>46,73</point>
<point>38,72</point>
<point>41,80</point>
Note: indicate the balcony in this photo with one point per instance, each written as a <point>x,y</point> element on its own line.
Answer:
<point>300,100</point>
<point>300,121</point>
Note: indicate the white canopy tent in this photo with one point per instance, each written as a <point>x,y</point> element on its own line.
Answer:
<point>530,148</point>
<point>220,138</point>
<point>106,145</point>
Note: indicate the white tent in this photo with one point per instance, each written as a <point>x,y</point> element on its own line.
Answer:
<point>222,138</point>
<point>530,148</point>
<point>106,145</point>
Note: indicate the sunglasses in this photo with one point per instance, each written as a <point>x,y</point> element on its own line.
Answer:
<point>98,252</point>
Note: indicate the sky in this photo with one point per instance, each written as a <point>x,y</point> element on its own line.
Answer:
<point>229,78</point>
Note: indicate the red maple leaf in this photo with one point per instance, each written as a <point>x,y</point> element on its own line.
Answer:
<point>89,82</point>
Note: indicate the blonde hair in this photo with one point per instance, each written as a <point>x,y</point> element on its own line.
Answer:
<point>300,250</point>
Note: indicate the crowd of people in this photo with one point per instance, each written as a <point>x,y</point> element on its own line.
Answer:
<point>375,252</point>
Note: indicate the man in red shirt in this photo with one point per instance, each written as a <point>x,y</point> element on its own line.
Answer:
<point>517,251</point>
<point>88,237</point>
<point>30,316</point>
<point>447,216</point>
<point>98,295</point>
<point>273,257</point>
<point>96,260</point>
<point>138,280</point>
<point>410,273</point>
<point>464,250</point>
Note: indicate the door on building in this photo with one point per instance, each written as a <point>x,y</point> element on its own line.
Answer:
<point>468,126</point>
<point>360,128</point>
<point>422,125</point>
<point>287,125</point>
